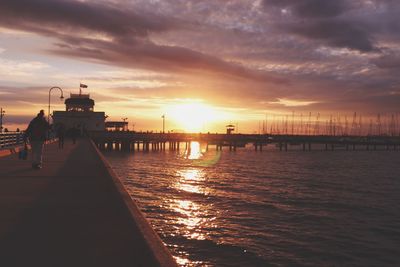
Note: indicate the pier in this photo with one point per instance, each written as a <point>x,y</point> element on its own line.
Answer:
<point>132,141</point>
<point>73,212</point>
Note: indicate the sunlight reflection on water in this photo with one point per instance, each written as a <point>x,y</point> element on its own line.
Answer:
<point>192,218</point>
<point>194,152</point>
<point>246,208</point>
<point>191,181</point>
<point>192,215</point>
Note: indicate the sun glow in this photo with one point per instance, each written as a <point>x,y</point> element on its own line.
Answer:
<point>193,117</point>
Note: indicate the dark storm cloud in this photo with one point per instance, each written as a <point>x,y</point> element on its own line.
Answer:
<point>69,15</point>
<point>330,22</point>
<point>317,8</point>
<point>336,33</point>
<point>388,61</point>
<point>311,8</point>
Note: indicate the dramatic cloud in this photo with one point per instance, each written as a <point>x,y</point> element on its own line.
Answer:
<point>342,23</point>
<point>72,15</point>
<point>258,54</point>
<point>68,20</point>
<point>322,20</point>
<point>336,33</point>
<point>388,61</point>
<point>311,8</point>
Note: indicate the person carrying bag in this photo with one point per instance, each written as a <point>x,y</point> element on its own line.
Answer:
<point>36,133</point>
<point>23,153</point>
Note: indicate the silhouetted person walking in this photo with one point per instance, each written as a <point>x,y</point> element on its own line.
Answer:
<point>36,132</point>
<point>60,135</point>
<point>74,134</point>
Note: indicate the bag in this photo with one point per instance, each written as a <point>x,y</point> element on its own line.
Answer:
<point>23,154</point>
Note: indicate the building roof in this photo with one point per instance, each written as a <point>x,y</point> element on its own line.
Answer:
<point>79,101</point>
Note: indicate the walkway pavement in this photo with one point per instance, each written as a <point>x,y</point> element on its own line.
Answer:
<point>67,214</point>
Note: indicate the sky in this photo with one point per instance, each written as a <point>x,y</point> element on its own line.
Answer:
<point>234,61</point>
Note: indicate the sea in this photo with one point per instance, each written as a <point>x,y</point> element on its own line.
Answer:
<point>270,207</point>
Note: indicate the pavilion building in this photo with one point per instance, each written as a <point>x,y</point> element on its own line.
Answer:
<point>79,114</point>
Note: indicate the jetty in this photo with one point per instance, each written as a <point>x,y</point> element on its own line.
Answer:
<point>73,212</point>
<point>144,141</point>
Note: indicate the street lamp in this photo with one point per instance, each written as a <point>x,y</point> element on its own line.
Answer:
<point>2,112</point>
<point>123,127</point>
<point>163,123</point>
<point>61,97</point>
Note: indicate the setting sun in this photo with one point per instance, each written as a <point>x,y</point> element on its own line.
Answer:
<point>193,117</point>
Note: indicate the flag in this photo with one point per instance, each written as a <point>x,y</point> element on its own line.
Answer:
<point>82,85</point>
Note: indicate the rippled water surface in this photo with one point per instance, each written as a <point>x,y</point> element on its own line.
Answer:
<point>270,208</point>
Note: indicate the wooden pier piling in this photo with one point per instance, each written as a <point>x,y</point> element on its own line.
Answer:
<point>127,141</point>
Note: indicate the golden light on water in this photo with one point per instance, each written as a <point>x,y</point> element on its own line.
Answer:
<point>186,262</point>
<point>194,216</point>
<point>201,157</point>
<point>182,261</point>
<point>191,174</point>
<point>191,181</point>
<point>195,151</point>
<point>191,218</point>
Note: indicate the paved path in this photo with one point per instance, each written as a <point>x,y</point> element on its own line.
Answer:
<point>67,214</point>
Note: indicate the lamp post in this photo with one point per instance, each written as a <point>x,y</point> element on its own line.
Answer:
<point>123,127</point>
<point>61,97</point>
<point>2,111</point>
<point>163,123</point>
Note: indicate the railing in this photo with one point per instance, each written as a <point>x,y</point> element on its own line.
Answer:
<point>10,139</point>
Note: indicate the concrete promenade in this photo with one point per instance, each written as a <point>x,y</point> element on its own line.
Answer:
<point>73,212</point>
